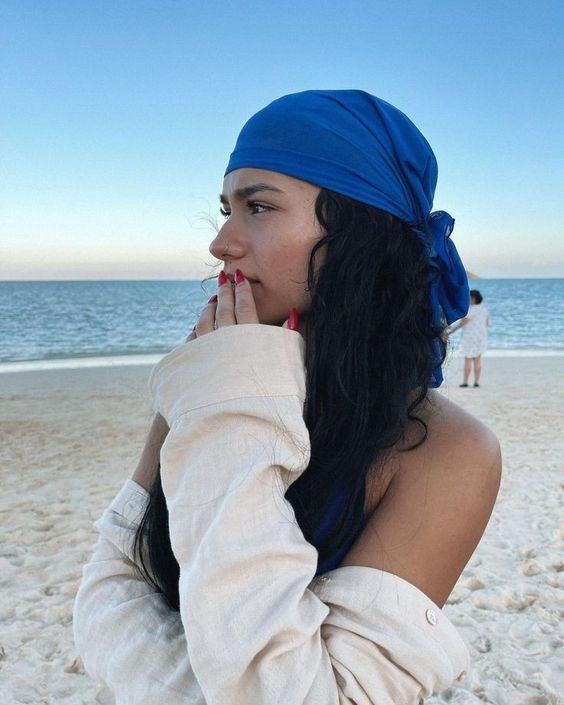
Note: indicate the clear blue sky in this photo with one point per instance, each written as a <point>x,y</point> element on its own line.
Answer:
<point>117,118</point>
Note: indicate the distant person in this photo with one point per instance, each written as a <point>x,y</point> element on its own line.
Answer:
<point>474,337</point>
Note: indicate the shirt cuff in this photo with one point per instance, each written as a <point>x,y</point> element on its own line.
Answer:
<point>232,362</point>
<point>130,502</point>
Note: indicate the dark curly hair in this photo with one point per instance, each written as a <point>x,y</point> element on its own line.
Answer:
<point>369,360</point>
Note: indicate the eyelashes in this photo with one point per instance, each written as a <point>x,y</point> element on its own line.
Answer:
<point>252,206</point>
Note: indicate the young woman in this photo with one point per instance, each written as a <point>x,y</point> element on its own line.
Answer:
<point>474,340</point>
<point>305,501</point>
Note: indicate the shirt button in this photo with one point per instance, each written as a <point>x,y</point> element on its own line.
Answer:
<point>431,617</point>
<point>324,579</point>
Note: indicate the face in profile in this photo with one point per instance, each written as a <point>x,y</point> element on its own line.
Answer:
<point>271,227</point>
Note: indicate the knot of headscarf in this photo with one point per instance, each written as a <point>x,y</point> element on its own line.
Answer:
<point>448,290</point>
<point>360,146</point>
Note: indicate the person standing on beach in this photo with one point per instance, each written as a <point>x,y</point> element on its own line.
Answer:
<point>306,500</point>
<point>474,340</point>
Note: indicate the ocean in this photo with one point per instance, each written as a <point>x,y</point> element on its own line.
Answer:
<point>80,323</point>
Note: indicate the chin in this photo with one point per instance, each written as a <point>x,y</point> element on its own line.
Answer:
<point>272,320</point>
<point>270,315</point>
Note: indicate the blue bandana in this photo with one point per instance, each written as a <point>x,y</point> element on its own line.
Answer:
<point>358,145</point>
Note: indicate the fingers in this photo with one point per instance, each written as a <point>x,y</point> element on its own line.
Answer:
<point>225,311</point>
<point>206,322</point>
<point>235,304</point>
<point>245,309</point>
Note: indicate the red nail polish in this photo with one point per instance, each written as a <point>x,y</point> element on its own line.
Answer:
<point>222,279</point>
<point>213,299</point>
<point>293,320</point>
<point>239,276</point>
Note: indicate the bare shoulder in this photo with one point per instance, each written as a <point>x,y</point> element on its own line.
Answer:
<point>437,504</point>
<point>455,432</point>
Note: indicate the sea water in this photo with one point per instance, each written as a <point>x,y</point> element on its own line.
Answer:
<point>79,323</point>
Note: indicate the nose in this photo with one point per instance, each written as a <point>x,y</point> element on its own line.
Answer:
<point>216,248</point>
<point>226,243</point>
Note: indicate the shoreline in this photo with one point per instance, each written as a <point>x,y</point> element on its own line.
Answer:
<point>72,363</point>
<point>77,363</point>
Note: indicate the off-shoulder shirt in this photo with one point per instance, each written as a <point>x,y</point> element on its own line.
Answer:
<point>256,626</point>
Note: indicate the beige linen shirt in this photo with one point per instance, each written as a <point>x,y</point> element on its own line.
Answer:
<point>256,627</point>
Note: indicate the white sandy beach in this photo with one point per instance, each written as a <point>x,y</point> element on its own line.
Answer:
<point>71,437</point>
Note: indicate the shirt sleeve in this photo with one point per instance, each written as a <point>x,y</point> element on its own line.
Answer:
<point>259,627</point>
<point>125,633</point>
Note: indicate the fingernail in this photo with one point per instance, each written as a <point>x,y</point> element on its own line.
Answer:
<point>213,299</point>
<point>222,279</point>
<point>239,276</point>
<point>293,320</point>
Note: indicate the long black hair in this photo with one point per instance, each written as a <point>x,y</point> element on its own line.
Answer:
<point>369,359</point>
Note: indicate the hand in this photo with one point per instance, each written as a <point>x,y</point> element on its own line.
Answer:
<point>235,305</point>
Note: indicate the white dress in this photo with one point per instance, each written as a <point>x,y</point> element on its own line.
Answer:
<point>475,333</point>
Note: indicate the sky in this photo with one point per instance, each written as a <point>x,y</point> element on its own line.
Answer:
<point>117,119</point>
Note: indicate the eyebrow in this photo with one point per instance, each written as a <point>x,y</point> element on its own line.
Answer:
<point>243,193</point>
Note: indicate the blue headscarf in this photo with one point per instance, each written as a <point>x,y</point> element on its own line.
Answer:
<point>358,145</point>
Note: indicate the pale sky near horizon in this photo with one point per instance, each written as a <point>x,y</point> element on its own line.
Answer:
<point>117,120</point>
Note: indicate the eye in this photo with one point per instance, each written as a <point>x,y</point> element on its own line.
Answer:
<point>224,213</point>
<point>253,205</point>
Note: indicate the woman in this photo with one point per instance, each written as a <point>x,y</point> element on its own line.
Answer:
<point>314,500</point>
<point>474,337</point>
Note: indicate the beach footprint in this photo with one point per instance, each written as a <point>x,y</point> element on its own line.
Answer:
<point>504,602</point>
<point>531,568</point>
<point>75,667</point>
<point>473,583</point>
<point>482,644</point>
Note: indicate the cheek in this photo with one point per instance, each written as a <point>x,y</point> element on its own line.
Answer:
<point>282,291</point>
<point>284,259</point>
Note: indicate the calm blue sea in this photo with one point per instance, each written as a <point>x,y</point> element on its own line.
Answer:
<point>82,319</point>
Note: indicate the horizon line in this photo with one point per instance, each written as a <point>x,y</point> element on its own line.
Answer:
<point>209,278</point>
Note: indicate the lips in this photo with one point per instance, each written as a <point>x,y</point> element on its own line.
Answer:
<point>231,278</point>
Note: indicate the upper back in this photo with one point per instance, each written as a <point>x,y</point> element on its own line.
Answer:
<point>435,501</point>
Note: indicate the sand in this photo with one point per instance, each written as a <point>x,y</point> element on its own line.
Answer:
<point>70,438</point>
